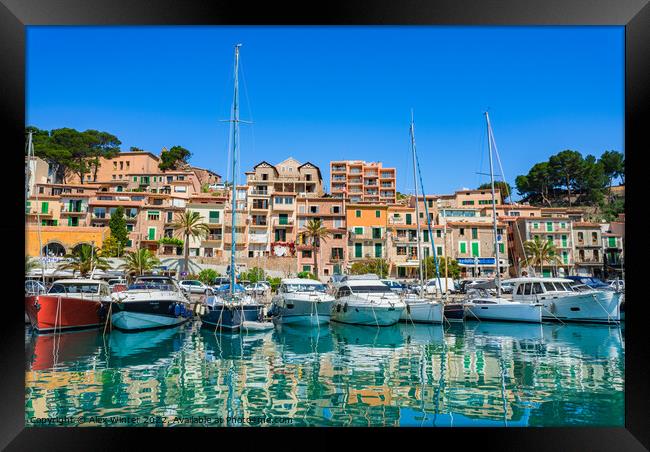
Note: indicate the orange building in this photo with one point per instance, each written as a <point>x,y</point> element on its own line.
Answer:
<point>367,231</point>
<point>361,181</point>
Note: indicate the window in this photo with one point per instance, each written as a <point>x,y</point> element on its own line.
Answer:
<point>378,250</point>
<point>594,237</point>
<point>401,251</point>
<point>377,213</point>
<point>45,207</point>
<point>358,230</point>
<point>563,225</point>
<point>357,213</point>
<point>439,233</point>
<point>564,241</point>
<point>336,209</point>
<point>438,250</point>
<point>527,288</point>
<point>565,257</point>
<point>549,227</point>
<point>611,242</point>
<point>358,250</point>
<point>580,236</point>
<point>468,203</point>
<point>129,227</point>
<point>475,249</point>
<point>376,233</point>
<point>408,218</point>
<point>474,233</point>
<point>214,216</point>
<point>306,253</point>
<point>462,247</point>
<point>535,225</point>
<point>537,288</point>
<point>153,215</point>
<point>501,248</point>
<point>462,231</point>
<point>337,236</point>
<point>151,235</point>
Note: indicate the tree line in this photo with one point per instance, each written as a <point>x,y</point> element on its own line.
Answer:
<point>69,151</point>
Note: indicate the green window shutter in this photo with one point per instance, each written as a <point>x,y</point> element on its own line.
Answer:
<point>45,207</point>
<point>43,222</point>
<point>408,218</point>
<point>376,233</point>
<point>306,268</point>
<point>283,218</point>
<point>277,235</point>
<point>135,178</point>
<point>70,206</point>
<point>214,216</point>
<point>612,242</point>
<point>55,222</point>
<point>358,250</point>
<point>69,221</point>
<point>357,213</point>
<point>358,230</point>
<point>474,233</point>
<point>438,250</point>
<point>535,225</point>
<point>501,248</point>
<point>426,235</point>
<point>378,250</point>
<point>152,233</point>
<point>463,247</point>
<point>549,227</point>
<point>438,233</point>
<point>564,241</point>
<point>565,257</point>
<point>119,188</point>
<point>475,249</point>
<point>377,214</point>
<point>129,242</point>
<point>563,225</point>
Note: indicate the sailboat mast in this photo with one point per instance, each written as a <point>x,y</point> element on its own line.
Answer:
<point>235,136</point>
<point>417,206</point>
<point>494,207</point>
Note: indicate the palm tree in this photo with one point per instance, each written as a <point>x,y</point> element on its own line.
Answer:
<point>85,259</point>
<point>539,252</point>
<point>188,224</point>
<point>314,233</point>
<point>139,262</point>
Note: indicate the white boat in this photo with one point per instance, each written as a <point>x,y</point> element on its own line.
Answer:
<point>421,310</point>
<point>150,302</point>
<point>482,306</point>
<point>365,300</point>
<point>566,302</point>
<point>301,302</point>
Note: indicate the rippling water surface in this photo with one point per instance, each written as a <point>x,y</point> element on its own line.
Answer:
<point>476,374</point>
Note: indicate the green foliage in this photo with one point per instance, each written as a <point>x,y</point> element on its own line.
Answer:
<point>139,262</point>
<point>111,247</point>
<point>503,187</point>
<point>613,165</point>
<point>377,266</point>
<point>313,234</point>
<point>173,158</point>
<point>205,188</point>
<point>453,269</point>
<point>208,275</point>
<point>30,264</point>
<point>253,275</point>
<point>539,253</point>
<point>117,224</point>
<point>84,259</point>
<point>189,224</point>
<point>136,149</point>
<point>275,283</point>
<point>610,210</point>
<point>307,275</point>
<point>171,241</point>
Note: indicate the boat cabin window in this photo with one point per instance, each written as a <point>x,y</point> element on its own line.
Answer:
<point>520,289</point>
<point>537,288</point>
<point>343,292</point>
<point>549,286</point>
<point>75,288</point>
<point>527,288</point>
<point>371,289</point>
<point>292,288</point>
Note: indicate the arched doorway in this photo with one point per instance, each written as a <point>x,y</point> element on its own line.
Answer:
<point>78,246</point>
<point>53,249</point>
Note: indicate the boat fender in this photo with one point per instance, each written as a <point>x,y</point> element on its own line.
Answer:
<point>338,308</point>
<point>345,307</point>
<point>177,310</point>
<point>202,310</point>
<point>171,308</point>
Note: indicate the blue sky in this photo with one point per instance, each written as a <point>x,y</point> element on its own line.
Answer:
<point>323,93</point>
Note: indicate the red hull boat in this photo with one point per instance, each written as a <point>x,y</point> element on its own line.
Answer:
<point>69,305</point>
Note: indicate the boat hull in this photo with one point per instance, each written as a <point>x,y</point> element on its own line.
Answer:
<point>363,314</point>
<point>148,315</point>
<point>594,307</point>
<point>302,312</point>
<point>454,312</point>
<point>48,314</point>
<point>422,312</point>
<point>528,313</point>
<point>230,317</point>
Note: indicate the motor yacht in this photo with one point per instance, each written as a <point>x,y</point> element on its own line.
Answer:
<point>481,305</point>
<point>301,301</point>
<point>69,304</point>
<point>565,301</point>
<point>150,302</point>
<point>421,309</point>
<point>365,300</point>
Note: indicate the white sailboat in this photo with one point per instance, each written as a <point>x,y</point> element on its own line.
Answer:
<point>418,307</point>
<point>480,304</point>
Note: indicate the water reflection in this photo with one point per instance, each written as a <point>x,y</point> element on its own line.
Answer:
<point>473,374</point>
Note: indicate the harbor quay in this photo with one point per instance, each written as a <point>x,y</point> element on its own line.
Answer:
<point>364,218</point>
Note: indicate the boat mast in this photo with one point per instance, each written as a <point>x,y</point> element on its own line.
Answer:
<point>30,173</point>
<point>494,207</point>
<point>417,207</point>
<point>235,135</point>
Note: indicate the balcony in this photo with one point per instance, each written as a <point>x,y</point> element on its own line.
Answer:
<point>283,206</point>
<point>240,221</point>
<point>338,169</point>
<point>258,238</point>
<point>66,211</point>
<point>368,235</point>
<point>38,212</point>
<point>213,239</point>
<point>259,207</point>
<point>255,192</point>
<point>588,261</point>
<point>277,222</point>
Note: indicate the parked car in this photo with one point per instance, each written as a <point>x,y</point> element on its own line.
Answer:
<point>258,288</point>
<point>431,286</point>
<point>507,287</point>
<point>395,286</point>
<point>194,286</point>
<point>221,280</point>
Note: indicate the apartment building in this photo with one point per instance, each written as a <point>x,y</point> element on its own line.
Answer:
<point>588,252</point>
<point>555,229</point>
<point>212,212</point>
<point>273,193</point>
<point>367,231</point>
<point>471,244</point>
<point>361,181</point>
<point>331,255</point>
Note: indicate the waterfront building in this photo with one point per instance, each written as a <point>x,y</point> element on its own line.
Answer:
<point>588,253</point>
<point>332,253</point>
<point>556,229</point>
<point>212,211</point>
<point>367,231</point>
<point>361,181</point>
<point>57,241</point>
<point>471,244</point>
<point>613,237</point>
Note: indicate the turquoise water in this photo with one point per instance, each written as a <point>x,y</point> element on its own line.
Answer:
<point>476,374</point>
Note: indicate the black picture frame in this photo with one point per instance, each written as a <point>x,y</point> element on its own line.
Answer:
<point>633,14</point>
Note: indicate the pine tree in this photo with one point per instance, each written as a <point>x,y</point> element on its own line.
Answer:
<point>118,227</point>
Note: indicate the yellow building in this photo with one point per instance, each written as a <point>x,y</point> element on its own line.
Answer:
<point>60,240</point>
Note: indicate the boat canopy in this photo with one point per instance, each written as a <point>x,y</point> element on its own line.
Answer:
<point>367,276</point>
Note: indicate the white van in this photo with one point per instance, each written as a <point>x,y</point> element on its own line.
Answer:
<point>431,286</point>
